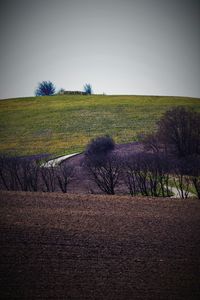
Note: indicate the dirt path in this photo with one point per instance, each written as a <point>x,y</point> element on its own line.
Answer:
<point>56,161</point>
<point>177,193</point>
<point>56,246</point>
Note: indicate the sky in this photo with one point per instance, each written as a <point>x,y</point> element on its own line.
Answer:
<point>143,47</point>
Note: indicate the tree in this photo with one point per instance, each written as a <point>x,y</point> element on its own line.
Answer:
<point>65,174</point>
<point>48,176</point>
<point>147,174</point>
<point>179,129</point>
<point>87,89</point>
<point>102,164</point>
<point>178,134</point>
<point>181,178</point>
<point>104,171</point>
<point>19,173</point>
<point>45,88</point>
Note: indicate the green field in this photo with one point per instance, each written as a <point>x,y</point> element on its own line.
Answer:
<point>64,124</point>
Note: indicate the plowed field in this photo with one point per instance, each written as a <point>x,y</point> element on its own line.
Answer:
<point>56,246</point>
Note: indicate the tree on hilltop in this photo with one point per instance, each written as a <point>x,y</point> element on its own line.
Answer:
<point>87,89</point>
<point>45,88</point>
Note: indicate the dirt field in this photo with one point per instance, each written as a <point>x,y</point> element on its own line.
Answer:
<point>56,246</point>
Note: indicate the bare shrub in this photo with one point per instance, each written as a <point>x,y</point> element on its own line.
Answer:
<point>104,171</point>
<point>33,176</point>
<point>194,163</point>
<point>48,176</point>
<point>19,173</point>
<point>181,177</point>
<point>129,174</point>
<point>178,133</point>
<point>158,174</point>
<point>151,142</point>
<point>102,164</point>
<point>3,183</point>
<point>147,174</point>
<point>65,174</point>
<point>179,128</point>
<point>192,171</point>
<point>136,174</point>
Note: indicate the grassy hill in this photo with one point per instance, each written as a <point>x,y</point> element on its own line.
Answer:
<point>64,124</point>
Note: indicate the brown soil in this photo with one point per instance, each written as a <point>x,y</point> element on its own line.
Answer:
<point>57,246</point>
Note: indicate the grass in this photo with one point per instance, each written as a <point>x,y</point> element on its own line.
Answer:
<point>64,124</point>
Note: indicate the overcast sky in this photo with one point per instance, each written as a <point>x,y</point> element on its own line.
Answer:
<point>149,47</point>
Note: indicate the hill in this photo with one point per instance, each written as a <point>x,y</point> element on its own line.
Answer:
<point>56,246</point>
<point>64,124</point>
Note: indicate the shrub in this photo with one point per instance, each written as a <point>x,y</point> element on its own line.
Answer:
<point>100,146</point>
<point>45,88</point>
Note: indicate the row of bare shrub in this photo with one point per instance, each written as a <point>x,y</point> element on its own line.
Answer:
<point>147,174</point>
<point>25,174</point>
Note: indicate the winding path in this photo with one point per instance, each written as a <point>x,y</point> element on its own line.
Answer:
<point>57,161</point>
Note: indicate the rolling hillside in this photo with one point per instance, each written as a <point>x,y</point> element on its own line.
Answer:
<point>64,124</point>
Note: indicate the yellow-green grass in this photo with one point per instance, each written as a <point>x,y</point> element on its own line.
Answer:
<point>65,124</point>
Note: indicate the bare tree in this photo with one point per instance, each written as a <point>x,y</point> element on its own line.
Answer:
<point>130,174</point>
<point>151,142</point>
<point>48,176</point>
<point>65,174</point>
<point>10,168</point>
<point>158,166</point>
<point>33,176</point>
<point>102,164</point>
<point>181,177</point>
<point>179,129</point>
<point>195,173</point>
<point>104,171</point>
<point>136,174</point>
<point>178,133</point>
<point>196,183</point>
<point>19,173</point>
<point>4,175</point>
<point>192,170</point>
<point>147,174</point>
